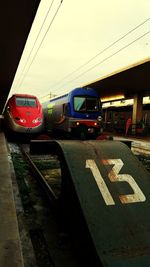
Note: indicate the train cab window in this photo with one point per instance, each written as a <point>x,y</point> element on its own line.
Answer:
<point>86,104</point>
<point>92,104</point>
<point>79,103</point>
<point>25,102</point>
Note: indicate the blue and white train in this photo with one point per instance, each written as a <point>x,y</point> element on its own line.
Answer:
<point>77,113</point>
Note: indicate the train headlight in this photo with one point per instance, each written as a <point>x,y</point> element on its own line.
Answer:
<point>95,123</point>
<point>20,120</point>
<point>37,120</point>
<point>23,120</point>
<point>77,123</point>
<point>99,118</point>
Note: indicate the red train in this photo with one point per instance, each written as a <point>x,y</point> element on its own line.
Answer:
<point>23,114</point>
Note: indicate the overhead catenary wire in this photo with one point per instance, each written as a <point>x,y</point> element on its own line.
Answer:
<point>27,60</point>
<point>83,73</point>
<point>41,42</point>
<point>99,53</point>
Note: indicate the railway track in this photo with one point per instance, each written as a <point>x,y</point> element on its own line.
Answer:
<point>45,241</point>
<point>140,149</point>
<point>43,233</point>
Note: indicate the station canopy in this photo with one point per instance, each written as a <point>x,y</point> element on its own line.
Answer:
<point>134,79</point>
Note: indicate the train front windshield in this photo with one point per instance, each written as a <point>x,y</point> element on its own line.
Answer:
<point>86,104</point>
<point>25,102</point>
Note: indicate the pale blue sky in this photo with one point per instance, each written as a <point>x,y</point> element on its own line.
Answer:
<point>80,30</point>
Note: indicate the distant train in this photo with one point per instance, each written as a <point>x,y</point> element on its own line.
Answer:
<point>77,113</point>
<point>23,114</point>
<point>116,118</point>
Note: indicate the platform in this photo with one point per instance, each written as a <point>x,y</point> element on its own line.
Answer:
<point>127,137</point>
<point>10,247</point>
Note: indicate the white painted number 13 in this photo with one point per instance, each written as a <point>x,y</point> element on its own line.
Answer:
<point>114,176</point>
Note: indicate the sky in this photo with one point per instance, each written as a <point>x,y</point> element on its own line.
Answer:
<point>74,42</point>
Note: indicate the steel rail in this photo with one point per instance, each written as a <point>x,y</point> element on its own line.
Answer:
<point>46,187</point>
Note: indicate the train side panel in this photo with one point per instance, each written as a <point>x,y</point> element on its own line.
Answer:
<point>54,113</point>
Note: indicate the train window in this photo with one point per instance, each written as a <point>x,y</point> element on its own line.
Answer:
<point>85,104</point>
<point>79,103</point>
<point>91,104</point>
<point>25,102</point>
<point>65,109</point>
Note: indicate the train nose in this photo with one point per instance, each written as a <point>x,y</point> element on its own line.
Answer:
<point>28,113</point>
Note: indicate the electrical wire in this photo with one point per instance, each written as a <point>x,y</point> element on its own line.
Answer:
<point>41,42</point>
<point>105,59</point>
<point>102,51</point>
<point>49,9</point>
<point>105,49</point>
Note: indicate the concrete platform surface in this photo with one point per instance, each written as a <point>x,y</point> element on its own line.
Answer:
<point>10,247</point>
